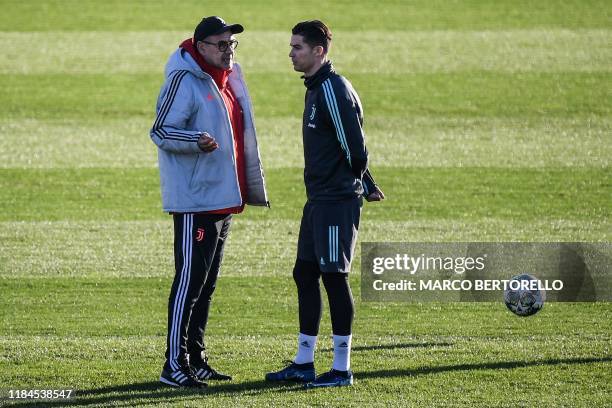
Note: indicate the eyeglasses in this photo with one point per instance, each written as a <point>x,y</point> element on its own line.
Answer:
<point>222,46</point>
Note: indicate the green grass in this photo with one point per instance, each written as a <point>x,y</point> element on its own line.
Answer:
<point>258,249</point>
<point>486,121</point>
<point>444,51</point>
<point>478,349</point>
<point>472,94</point>
<point>418,141</point>
<point>117,15</point>
<point>418,193</point>
<point>240,300</point>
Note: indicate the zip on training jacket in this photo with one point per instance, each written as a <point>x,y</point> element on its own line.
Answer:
<point>335,154</point>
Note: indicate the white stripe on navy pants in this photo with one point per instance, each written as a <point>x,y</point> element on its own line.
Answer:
<point>198,251</point>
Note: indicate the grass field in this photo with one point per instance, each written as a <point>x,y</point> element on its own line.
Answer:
<point>486,121</point>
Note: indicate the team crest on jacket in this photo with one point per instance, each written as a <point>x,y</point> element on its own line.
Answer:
<point>313,111</point>
<point>200,234</point>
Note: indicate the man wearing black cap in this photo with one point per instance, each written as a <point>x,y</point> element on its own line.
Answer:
<point>209,168</point>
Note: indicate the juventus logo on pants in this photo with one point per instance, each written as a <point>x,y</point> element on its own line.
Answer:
<point>200,234</point>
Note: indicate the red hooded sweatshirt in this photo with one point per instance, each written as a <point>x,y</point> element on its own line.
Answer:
<point>236,118</point>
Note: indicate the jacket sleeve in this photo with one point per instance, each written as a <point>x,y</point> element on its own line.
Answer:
<point>174,108</point>
<point>369,185</point>
<point>345,113</point>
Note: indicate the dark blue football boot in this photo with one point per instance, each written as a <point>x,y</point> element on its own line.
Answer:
<point>293,372</point>
<point>332,378</point>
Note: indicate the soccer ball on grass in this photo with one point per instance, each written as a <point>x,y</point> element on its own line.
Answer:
<point>523,297</point>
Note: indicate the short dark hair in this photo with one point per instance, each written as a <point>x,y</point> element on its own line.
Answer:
<point>315,33</point>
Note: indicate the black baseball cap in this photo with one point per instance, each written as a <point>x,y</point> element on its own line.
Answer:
<point>214,25</point>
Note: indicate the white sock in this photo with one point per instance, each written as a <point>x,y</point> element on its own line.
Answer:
<point>342,352</point>
<point>306,349</point>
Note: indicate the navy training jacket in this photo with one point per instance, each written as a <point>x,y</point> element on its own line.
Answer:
<point>335,154</point>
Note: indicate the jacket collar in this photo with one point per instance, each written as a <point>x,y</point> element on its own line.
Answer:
<point>318,77</point>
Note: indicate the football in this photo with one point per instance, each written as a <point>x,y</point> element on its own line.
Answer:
<point>523,297</point>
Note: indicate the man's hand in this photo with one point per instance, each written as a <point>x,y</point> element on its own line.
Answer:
<point>207,143</point>
<point>376,195</point>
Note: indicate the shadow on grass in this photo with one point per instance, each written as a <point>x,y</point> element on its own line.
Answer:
<point>393,346</point>
<point>138,393</point>
<point>502,365</point>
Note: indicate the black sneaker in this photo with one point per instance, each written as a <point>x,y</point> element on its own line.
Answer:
<point>293,372</point>
<point>183,377</point>
<point>204,371</point>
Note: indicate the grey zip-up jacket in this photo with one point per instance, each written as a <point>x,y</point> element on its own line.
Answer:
<point>189,104</point>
